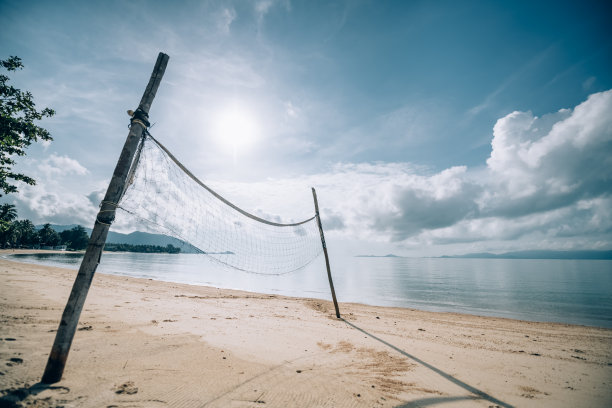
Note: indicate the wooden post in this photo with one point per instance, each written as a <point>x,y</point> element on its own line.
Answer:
<point>106,215</point>
<point>331,283</point>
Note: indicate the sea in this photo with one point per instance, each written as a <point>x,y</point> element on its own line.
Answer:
<point>547,290</point>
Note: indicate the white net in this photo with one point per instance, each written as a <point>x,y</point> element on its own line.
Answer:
<point>166,196</point>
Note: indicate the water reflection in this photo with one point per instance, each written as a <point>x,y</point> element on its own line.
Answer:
<point>53,259</point>
<point>569,291</point>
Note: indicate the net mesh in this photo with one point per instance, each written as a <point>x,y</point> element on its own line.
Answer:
<point>162,193</point>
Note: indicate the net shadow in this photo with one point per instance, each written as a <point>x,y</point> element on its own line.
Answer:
<point>478,394</point>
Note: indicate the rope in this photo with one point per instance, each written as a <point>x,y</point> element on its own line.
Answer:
<point>180,237</point>
<point>218,196</point>
<point>172,201</point>
<point>109,203</point>
<point>139,121</point>
<point>102,222</point>
<point>102,203</point>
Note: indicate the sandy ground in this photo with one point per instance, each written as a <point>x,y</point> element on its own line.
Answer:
<point>143,343</point>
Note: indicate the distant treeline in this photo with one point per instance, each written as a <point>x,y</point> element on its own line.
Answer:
<point>149,249</point>
<point>23,234</point>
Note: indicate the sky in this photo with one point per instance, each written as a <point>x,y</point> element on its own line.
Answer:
<point>427,127</point>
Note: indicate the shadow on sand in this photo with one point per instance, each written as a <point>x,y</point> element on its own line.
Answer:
<point>14,397</point>
<point>478,394</point>
<point>425,402</point>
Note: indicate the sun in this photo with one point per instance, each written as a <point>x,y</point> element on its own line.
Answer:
<point>236,129</point>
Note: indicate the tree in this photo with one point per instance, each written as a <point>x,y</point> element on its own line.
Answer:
<point>25,233</point>
<point>8,214</point>
<point>75,238</point>
<point>17,128</point>
<point>10,237</point>
<point>48,236</point>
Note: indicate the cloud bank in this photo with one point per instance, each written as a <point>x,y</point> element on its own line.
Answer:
<point>53,199</point>
<point>548,176</point>
<point>546,184</point>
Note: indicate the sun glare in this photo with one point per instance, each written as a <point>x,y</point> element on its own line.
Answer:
<point>235,129</point>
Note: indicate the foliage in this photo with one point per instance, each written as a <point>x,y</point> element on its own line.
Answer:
<point>10,237</point>
<point>24,232</point>
<point>170,249</point>
<point>17,129</point>
<point>8,214</point>
<point>75,238</point>
<point>48,236</point>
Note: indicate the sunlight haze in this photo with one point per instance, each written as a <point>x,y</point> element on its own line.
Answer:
<point>427,128</point>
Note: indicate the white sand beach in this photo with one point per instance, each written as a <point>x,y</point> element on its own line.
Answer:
<point>144,343</point>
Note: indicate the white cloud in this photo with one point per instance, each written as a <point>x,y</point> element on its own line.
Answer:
<point>262,7</point>
<point>56,165</point>
<point>370,201</point>
<point>225,18</point>
<point>291,110</point>
<point>42,205</point>
<point>539,164</point>
<point>588,83</point>
<point>547,184</point>
<point>55,198</point>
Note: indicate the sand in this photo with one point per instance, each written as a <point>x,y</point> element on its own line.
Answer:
<point>144,343</point>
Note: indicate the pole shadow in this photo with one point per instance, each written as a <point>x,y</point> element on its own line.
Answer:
<point>478,394</point>
<point>14,397</point>
<point>424,402</point>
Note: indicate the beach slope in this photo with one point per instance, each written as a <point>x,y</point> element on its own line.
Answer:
<point>144,343</point>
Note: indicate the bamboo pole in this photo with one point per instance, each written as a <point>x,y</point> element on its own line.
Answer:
<point>329,277</point>
<point>106,215</point>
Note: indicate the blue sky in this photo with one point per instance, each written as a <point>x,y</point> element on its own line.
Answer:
<point>428,127</point>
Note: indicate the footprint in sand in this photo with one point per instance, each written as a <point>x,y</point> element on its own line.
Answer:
<point>13,361</point>
<point>128,388</point>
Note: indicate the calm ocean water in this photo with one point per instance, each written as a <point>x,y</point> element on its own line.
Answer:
<point>566,291</point>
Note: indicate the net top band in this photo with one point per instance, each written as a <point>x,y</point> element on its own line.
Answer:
<point>218,196</point>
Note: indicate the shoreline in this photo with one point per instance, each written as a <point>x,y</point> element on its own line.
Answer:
<point>188,345</point>
<point>486,313</point>
<point>457,315</point>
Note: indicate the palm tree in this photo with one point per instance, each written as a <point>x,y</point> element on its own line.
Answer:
<point>8,213</point>
<point>12,236</point>
<point>48,236</point>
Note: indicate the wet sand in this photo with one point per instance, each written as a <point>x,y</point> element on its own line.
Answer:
<point>144,343</point>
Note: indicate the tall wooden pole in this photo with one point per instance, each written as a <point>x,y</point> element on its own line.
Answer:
<point>331,282</point>
<point>106,215</point>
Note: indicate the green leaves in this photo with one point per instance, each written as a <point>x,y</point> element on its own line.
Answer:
<point>17,128</point>
<point>8,213</point>
<point>76,238</point>
<point>12,63</point>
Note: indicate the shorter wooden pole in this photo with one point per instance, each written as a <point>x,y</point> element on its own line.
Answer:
<point>331,282</point>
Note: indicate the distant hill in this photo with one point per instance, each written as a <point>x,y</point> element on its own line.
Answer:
<point>540,254</point>
<point>145,238</point>
<point>378,256</point>
<point>60,228</point>
<point>136,238</point>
